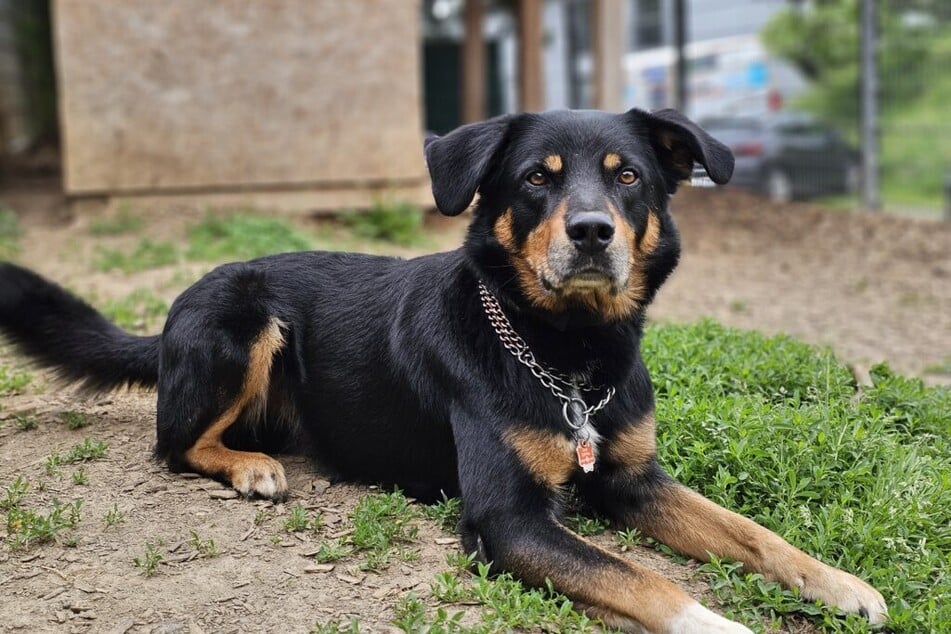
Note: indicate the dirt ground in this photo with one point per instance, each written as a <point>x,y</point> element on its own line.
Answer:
<point>872,288</point>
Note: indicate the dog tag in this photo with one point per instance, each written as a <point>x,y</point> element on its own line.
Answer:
<point>585,455</point>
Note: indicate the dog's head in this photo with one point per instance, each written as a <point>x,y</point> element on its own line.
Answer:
<point>573,204</point>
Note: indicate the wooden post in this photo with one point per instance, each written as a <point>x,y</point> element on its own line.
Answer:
<point>473,64</point>
<point>531,86</point>
<point>608,46</point>
<point>680,59</point>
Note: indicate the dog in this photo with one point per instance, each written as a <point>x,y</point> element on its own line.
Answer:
<point>502,372</point>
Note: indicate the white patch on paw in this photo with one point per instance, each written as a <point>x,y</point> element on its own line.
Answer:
<point>847,592</point>
<point>696,619</point>
<point>262,476</point>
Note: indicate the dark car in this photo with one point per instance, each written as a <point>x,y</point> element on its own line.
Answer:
<point>787,156</point>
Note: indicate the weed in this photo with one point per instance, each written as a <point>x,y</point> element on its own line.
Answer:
<point>584,525</point>
<point>243,236</point>
<point>411,617</point>
<point>400,223</point>
<point>262,516</point>
<point>114,517</point>
<point>627,539</point>
<point>333,627</point>
<point>739,306</point>
<point>148,563</point>
<point>52,464</point>
<point>445,513</point>
<point>9,234</point>
<point>14,494</point>
<point>300,520</point>
<point>460,561</point>
<point>74,420</point>
<point>86,450</point>
<point>80,478</point>
<point>943,367</point>
<point>13,382</point>
<point>206,547</point>
<point>136,311</point>
<point>26,527</point>
<point>506,606</point>
<point>148,254</point>
<point>26,422</point>
<point>331,550</point>
<point>449,588</point>
<point>125,221</point>
<point>382,522</point>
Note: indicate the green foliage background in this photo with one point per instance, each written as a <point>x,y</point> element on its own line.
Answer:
<point>914,56</point>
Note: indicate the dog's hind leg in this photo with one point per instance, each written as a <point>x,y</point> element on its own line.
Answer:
<point>209,380</point>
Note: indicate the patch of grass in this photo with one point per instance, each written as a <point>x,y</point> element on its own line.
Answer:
<point>26,527</point>
<point>125,221</point>
<point>411,617</point>
<point>136,311</point>
<point>13,381</point>
<point>53,463</point>
<point>299,520</point>
<point>114,517</point>
<point>584,525</point>
<point>943,367</point>
<point>627,539</point>
<point>383,524</point>
<point>243,236</point>
<point>506,605</point>
<point>26,422</point>
<point>399,223</point>
<point>337,627</point>
<point>85,451</point>
<point>10,233</point>
<point>14,494</point>
<point>149,561</point>
<point>148,254</point>
<point>445,513</point>
<point>207,547</point>
<point>331,550</point>
<point>262,516</point>
<point>80,477</point>
<point>74,420</point>
<point>776,430</point>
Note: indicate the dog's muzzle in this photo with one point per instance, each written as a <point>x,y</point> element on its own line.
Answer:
<point>587,258</point>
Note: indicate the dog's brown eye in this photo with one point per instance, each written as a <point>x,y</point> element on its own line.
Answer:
<point>537,179</point>
<point>627,177</point>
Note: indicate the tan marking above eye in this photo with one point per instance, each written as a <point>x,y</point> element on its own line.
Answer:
<point>612,161</point>
<point>553,163</point>
<point>627,177</point>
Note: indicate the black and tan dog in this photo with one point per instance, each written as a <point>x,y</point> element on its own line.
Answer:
<point>502,372</point>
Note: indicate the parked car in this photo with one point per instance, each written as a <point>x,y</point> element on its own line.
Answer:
<point>787,156</point>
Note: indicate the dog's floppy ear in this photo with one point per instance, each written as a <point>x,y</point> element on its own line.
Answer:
<point>679,142</point>
<point>459,161</point>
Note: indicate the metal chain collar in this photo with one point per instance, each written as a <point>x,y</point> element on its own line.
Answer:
<point>559,384</point>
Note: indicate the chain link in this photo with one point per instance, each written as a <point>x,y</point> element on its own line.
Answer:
<point>559,384</point>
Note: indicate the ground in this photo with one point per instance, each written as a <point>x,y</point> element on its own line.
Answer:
<point>872,288</point>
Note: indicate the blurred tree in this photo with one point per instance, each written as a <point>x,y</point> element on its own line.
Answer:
<point>821,39</point>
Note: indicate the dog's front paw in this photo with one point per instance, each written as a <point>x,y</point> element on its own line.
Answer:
<point>847,592</point>
<point>695,619</point>
<point>259,474</point>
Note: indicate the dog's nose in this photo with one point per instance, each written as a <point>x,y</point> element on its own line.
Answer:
<point>590,231</point>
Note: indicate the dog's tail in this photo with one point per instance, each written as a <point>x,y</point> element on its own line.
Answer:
<point>62,332</point>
